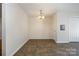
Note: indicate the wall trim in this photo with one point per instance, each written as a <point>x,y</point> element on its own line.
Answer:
<point>42,39</point>
<point>62,41</point>
<point>19,47</point>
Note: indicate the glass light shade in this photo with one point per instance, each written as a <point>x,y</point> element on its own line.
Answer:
<point>41,17</point>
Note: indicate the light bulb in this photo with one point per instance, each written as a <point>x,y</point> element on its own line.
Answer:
<point>43,17</point>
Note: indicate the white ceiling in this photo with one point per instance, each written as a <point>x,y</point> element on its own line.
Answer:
<point>48,8</point>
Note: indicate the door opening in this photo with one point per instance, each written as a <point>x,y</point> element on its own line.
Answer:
<point>74,29</point>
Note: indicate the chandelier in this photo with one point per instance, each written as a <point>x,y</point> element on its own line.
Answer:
<point>41,16</point>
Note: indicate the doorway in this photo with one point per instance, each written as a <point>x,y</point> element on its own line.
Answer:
<point>74,29</point>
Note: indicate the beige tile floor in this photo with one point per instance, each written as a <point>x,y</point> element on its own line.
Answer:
<point>48,47</point>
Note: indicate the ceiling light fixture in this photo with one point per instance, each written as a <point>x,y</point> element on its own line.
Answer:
<point>41,16</point>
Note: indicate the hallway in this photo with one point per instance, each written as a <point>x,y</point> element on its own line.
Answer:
<point>48,47</point>
<point>43,27</point>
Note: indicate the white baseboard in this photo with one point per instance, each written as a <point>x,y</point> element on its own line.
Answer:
<point>62,41</point>
<point>74,41</point>
<point>18,48</point>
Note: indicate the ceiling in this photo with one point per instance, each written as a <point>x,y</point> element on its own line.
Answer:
<point>33,9</point>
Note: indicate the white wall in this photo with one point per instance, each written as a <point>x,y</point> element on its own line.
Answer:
<point>3,30</point>
<point>54,26</point>
<point>63,18</point>
<point>16,28</point>
<point>40,29</point>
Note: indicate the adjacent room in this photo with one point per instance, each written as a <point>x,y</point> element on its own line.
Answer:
<point>40,29</point>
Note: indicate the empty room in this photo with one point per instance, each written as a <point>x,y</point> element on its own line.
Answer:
<point>40,29</point>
